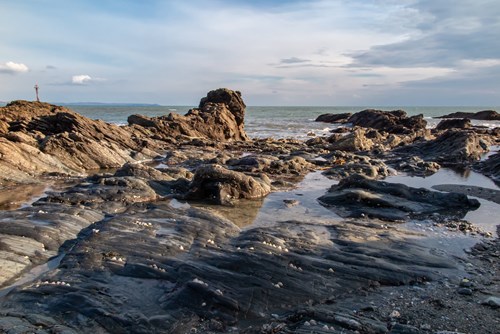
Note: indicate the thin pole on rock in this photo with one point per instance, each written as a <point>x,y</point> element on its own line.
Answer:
<point>36,91</point>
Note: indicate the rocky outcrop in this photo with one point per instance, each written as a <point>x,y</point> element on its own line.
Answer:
<point>219,185</point>
<point>414,166</point>
<point>396,121</point>
<point>490,167</point>
<point>219,117</point>
<point>457,123</point>
<point>358,196</point>
<point>334,118</point>
<point>39,138</point>
<point>352,142</point>
<point>485,115</point>
<point>345,164</point>
<point>451,147</point>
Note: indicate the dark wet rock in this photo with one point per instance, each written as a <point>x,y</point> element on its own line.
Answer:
<point>490,167</point>
<point>492,301</point>
<point>156,268</point>
<point>396,121</point>
<point>404,329</point>
<point>219,185</point>
<point>30,236</point>
<point>486,115</point>
<point>414,166</point>
<point>333,118</point>
<point>465,291</point>
<point>451,147</point>
<point>358,196</point>
<point>457,123</point>
<point>109,194</point>
<point>346,164</point>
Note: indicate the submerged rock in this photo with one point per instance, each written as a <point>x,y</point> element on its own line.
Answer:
<point>358,196</point>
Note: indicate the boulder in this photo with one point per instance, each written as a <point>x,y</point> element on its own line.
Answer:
<point>455,123</point>
<point>222,186</point>
<point>484,115</point>
<point>359,196</point>
<point>334,118</point>
<point>396,121</point>
<point>414,166</point>
<point>354,141</point>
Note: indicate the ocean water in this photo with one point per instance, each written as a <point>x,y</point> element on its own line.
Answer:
<point>277,122</point>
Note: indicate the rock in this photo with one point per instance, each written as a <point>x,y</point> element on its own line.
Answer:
<point>333,118</point>
<point>352,142</point>
<point>289,203</point>
<point>490,167</point>
<point>486,115</point>
<point>414,166</point>
<point>220,117</point>
<point>404,329</point>
<point>219,185</point>
<point>451,147</point>
<point>464,291</point>
<point>346,164</point>
<point>358,196</point>
<point>395,121</point>
<point>457,123</point>
<point>492,301</point>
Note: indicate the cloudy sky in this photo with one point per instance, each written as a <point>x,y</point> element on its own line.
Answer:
<point>283,52</point>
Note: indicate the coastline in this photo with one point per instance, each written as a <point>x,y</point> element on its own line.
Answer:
<point>190,256</point>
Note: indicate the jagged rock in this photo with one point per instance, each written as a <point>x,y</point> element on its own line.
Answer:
<point>346,164</point>
<point>358,196</point>
<point>414,166</point>
<point>490,167</point>
<point>333,118</point>
<point>220,117</point>
<point>395,121</point>
<point>283,167</point>
<point>222,186</point>
<point>354,141</point>
<point>455,123</point>
<point>451,147</point>
<point>486,115</point>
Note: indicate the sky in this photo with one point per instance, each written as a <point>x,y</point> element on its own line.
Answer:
<point>283,52</point>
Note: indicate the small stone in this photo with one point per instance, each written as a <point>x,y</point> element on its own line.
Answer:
<point>465,291</point>
<point>492,301</point>
<point>465,283</point>
<point>395,314</point>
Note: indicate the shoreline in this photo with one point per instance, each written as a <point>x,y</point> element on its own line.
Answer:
<point>147,234</point>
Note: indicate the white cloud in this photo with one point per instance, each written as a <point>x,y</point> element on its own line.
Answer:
<point>13,68</point>
<point>81,79</point>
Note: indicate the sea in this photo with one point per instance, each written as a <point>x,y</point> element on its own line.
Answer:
<point>275,122</point>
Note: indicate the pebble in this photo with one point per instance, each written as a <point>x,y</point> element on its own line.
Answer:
<point>395,314</point>
<point>465,291</point>
<point>465,283</point>
<point>492,301</point>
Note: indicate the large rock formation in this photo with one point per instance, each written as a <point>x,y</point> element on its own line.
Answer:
<point>396,121</point>
<point>39,138</point>
<point>220,117</point>
<point>485,115</point>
